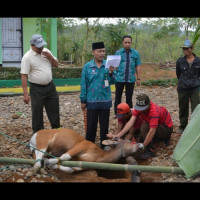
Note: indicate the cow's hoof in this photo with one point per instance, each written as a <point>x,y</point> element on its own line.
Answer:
<point>34,170</point>
<point>50,162</point>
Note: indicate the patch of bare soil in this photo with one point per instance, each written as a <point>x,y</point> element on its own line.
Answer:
<point>71,116</point>
<point>153,72</point>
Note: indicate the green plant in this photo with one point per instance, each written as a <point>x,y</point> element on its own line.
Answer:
<point>165,83</point>
<point>12,73</point>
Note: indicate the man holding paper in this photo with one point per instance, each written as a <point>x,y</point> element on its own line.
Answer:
<point>96,93</point>
<point>125,73</point>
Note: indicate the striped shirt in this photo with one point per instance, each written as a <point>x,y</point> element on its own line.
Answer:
<point>155,115</point>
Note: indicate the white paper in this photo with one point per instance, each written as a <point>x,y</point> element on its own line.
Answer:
<point>113,60</point>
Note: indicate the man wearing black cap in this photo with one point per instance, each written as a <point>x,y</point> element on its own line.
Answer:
<point>157,123</point>
<point>36,66</point>
<point>188,74</point>
<point>96,93</point>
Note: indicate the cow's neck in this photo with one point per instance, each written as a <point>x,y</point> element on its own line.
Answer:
<point>113,155</point>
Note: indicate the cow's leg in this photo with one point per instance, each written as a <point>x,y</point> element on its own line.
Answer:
<point>68,155</point>
<point>136,174</point>
<point>39,156</point>
<point>53,162</point>
<point>66,169</point>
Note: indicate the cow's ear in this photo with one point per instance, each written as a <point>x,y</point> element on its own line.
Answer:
<point>110,142</point>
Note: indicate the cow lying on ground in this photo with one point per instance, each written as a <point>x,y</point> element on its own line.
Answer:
<point>66,144</point>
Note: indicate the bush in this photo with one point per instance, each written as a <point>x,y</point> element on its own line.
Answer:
<point>13,73</point>
<point>167,82</point>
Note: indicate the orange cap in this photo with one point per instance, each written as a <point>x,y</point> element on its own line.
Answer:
<point>122,109</point>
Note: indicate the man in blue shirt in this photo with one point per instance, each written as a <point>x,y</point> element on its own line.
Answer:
<point>96,93</point>
<point>125,74</point>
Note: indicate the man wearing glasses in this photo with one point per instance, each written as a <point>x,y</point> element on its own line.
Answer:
<point>188,73</point>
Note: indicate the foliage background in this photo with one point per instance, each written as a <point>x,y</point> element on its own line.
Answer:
<point>156,39</point>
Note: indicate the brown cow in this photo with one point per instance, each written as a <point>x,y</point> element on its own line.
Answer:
<point>66,144</point>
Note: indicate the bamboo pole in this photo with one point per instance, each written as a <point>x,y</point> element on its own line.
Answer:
<point>104,166</point>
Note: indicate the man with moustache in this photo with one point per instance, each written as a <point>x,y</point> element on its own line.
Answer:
<point>96,93</point>
<point>188,74</point>
<point>128,72</point>
<point>36,67</point>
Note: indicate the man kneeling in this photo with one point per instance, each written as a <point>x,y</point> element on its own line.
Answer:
<point>157,124</point>
<point>124,113</point>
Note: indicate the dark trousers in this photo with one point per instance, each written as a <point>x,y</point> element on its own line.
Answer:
<point>184,98</point>
<point>119,87</point>
<point>44,96</point>
<point>93,115</point>
<point>162,133</point>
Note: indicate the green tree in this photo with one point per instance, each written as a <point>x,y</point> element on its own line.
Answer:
<point>89,27</point>
<point>196,41</point>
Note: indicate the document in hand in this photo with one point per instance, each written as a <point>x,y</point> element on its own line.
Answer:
<point>113,60</point>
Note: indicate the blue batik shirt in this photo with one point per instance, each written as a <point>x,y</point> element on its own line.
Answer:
<point>129,61</point>
<point>94,92</point>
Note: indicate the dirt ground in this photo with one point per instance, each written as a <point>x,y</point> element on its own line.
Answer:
<point>153,72</point>
<point>72,117</point>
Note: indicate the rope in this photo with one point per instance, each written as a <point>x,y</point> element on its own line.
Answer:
<point>27,144</point>
<point>13,168</point>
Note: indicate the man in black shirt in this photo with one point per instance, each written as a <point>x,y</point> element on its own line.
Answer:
<point>188,73</point>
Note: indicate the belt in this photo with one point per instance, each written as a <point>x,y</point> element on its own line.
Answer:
<point>41,85</point>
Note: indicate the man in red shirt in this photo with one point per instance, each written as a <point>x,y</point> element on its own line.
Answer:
<point>158,123</point>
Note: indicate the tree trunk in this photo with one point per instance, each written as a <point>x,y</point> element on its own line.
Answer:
<point>85,44</point>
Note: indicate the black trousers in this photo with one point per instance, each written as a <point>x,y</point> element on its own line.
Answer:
<point>44,96</point>
<point>93,116</point>
<point>119,87</point>
<point>183,99</point>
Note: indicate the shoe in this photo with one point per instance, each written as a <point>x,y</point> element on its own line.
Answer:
<point>147,155</point>
<point>167,141</point>
<point>180,130</point>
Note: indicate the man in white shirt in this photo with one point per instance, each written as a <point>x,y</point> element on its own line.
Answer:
<point>36,68</point>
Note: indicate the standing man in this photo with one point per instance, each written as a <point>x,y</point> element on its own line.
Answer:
<point>96,93</point>
<point>36,68</point>
<point>188,73</point>
<point>125,74</point>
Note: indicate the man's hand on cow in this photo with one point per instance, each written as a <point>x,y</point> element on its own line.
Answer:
<point>112,136</point>
<point>109,135</point>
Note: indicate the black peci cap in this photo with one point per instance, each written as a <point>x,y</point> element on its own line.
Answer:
<point>97,45</point>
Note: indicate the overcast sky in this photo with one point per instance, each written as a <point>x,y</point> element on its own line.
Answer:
<point>113,20</point>
<point>104,20</point>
